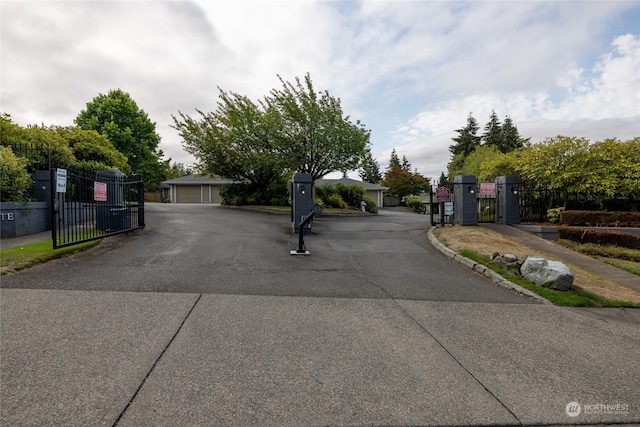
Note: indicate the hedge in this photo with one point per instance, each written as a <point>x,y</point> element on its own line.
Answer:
<point>599,237</point>
<point>600,219</point>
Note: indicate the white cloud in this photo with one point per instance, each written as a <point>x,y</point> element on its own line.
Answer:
<point>603,106</point>
<point>411,71</point>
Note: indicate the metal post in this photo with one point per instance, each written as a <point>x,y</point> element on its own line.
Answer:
<point>301,248</point>
<point>53,207</point>
<point>431,206</point>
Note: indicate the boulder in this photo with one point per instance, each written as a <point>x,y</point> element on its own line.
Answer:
<point>509,262</point>
<point>550,274</point>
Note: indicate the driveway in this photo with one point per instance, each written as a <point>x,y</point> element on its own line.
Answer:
<point>212,250</point>
<point>204,318</point>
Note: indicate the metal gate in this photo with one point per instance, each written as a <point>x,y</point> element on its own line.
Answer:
<point>87,205</point>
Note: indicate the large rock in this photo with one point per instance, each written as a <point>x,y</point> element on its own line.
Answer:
<point>550,274</point>
<point>509,262</point>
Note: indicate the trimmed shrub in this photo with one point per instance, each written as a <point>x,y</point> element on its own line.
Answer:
<point>553,215</point>
<point>600,219</point>
<point>414,202</point>
<point>323,192</point>
<point>351,194</point>
<point>599,237</point>
<point>335,201</point>
<point>370,205</point>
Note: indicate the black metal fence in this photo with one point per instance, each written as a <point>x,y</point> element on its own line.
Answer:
<point>85,204</point>
<point>90,205</point>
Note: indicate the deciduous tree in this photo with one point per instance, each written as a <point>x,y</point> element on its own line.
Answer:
<point>129,129</point>
<point>241,140</point>
<point>317,137</point>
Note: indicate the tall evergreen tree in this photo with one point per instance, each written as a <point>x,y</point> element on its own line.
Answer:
<point>467,140</point>
<point>510,136</point>
<point>405,164</point>
<point>492,135</point>
<point>369,169</point>
<point>394,161</point>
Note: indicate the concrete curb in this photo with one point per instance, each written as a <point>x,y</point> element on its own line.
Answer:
<point>481,269</point>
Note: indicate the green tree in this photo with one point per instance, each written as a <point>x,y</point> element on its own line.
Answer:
<point>317,138</point>
<point>241,140</point>
<point>611,169</point>
<point>492,135</point>
<point>500,165</point>
<point>510,137</point>
<point>401,181</point>
<point>129,129</point>
<point>472,164</point>
<point>555,163</point>
<point>48,148</point>
<point>176,170</point>
<point>405,164</point>
<point>394,161</point>
<point>91,146</point>
<point>14,179</point>
<point>369,169</point>
<point>467,140</point>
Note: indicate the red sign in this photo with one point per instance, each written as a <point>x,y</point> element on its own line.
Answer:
<point>443,195</point>
<point>100,192</point>
<point>487,189</point>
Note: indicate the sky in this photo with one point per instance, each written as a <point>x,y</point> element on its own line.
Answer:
<point>411,71</point>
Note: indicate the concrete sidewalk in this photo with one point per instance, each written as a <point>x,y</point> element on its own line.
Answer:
<point>567,255</point>
<point>78,358</point>
<point>204,318</point>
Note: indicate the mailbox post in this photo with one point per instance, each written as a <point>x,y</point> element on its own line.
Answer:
<point>302,200</point>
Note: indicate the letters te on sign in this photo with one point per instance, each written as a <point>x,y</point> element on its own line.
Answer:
<point>100,191</point>
<point>61,180</point>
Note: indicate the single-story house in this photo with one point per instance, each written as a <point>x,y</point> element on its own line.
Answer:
<point>195,189</point>
<point>374,192</point>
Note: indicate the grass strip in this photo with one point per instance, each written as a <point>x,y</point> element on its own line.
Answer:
<point>593,249</point>
<point>574,297</point>
<point>25,256</point>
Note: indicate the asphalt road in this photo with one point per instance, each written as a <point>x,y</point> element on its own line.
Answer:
<point>213,250</point>
<point>204,318</point>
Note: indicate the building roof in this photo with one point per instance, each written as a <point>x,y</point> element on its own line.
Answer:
<point>198,180</point>
<point>349,181</point>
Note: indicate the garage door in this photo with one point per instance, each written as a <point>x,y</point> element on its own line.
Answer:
<point>215,194</point>
<point>188,194</point>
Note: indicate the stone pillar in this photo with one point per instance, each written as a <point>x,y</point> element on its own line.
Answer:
<point>301,199</point>
<point>465,203</point>
<point>507,200</point>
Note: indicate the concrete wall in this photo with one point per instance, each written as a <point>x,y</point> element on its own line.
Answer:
<point>21,219</point>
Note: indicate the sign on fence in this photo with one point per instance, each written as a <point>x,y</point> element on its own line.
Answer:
<point>443,194</point>
<point>100,191</point>
<point>487,189</point>
<point>61,180</point>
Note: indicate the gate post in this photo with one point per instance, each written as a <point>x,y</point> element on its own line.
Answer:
<point>465,203</point>
<point>508,200</point>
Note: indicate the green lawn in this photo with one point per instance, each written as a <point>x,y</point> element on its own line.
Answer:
<point>624,258</point>
<point>575,297</point>
<point>21,257</point>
